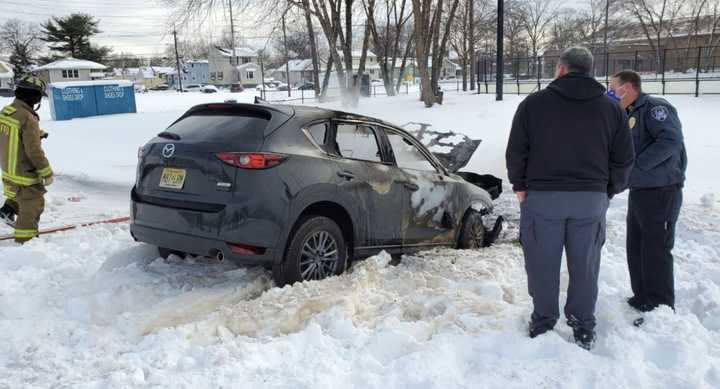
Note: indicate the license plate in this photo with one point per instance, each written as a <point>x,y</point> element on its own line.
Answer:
<point>172,178</point>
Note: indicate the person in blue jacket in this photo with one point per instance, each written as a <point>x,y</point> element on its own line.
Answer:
<point>656,183</point>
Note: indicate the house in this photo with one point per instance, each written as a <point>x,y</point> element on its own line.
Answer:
<point>70,69</point>
<point>301,70</point>
<point>228,66</point>
<point>194,72</point>
<point>6,75</point>
<point>149,76</point>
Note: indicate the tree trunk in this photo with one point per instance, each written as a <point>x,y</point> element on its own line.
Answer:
<point>313,47</point>
<point>403,62</point>
<point>326,78</point>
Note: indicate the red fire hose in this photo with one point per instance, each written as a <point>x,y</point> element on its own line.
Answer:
<point>73,226</point>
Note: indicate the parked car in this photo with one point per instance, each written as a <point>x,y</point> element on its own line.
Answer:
<point>236,87</point>
<point>268,87</point>
<point>192,88</point>
<point>209,89</point>
<point>301,190</point>
<point>161,87</point>
<point>307,86</point>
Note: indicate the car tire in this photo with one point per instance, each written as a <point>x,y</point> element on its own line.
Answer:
<point>317,249</point>
<point>165,253</point>
<point>472,235</point>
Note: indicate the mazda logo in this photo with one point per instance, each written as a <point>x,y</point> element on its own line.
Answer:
<point>169,150</point>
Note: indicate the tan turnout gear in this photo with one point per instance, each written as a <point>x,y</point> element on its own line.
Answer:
<point>24,166</point>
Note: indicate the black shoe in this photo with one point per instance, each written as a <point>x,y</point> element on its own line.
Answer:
<point>535,330</point>
<point>640,306</point>
<point>584,338</point>
<point>7,215</point>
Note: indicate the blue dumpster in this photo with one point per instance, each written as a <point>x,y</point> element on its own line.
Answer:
<point>78,99</point>
<point>117,98</point>
<point>72,101</point>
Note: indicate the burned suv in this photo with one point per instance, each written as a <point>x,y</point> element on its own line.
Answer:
<point>301,190</point>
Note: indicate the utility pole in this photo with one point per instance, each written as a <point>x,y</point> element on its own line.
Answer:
<point>232,36</point>
<point>287,55</point>
<point>605,44</point>
<point>177,62</point>
<point>499,75</point>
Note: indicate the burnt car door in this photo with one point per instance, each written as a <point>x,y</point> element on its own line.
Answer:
<point>366,177</point>
<point>433,205</point>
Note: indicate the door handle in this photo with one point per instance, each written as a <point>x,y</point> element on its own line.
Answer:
<point>346,175</point>
<point>413,187</point>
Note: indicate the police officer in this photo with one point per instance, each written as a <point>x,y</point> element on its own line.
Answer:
<point>25,169</point>
<point>656,196</point>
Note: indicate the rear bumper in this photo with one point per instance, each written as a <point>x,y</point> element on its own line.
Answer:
<point>196,245</point>
<point>207,231</point>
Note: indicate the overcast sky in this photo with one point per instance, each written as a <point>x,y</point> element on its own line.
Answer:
<point>142,27</point>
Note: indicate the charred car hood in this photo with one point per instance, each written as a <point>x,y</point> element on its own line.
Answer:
<point>452,149</point>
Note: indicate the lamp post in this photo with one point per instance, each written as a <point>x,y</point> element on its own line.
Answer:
<point>499,75</point>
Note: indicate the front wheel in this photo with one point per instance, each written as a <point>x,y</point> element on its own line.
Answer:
<point>317,250</point>
<point>473,232</point>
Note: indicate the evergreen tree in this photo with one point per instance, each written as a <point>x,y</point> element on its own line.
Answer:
<point>70,36</point>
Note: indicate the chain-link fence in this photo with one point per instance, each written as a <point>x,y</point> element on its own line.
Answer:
<point>692,71</point>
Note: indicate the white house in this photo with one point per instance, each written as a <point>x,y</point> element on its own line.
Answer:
<point>228,66</point>
<point>6,75</point>
<point>300,71</point>
<point>70,69</point>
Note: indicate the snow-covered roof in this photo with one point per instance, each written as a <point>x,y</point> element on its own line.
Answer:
<point>97,74</point>
<point>71,63</point>
<point>239,52</point>
<point>69,84</point>
<point>162,69</point>
<point>6,70</point>
<point>297,65</point>
<point>358,54</point>
<point>248,66</point>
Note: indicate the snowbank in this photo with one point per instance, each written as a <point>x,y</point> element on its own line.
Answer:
<point>92,309</point>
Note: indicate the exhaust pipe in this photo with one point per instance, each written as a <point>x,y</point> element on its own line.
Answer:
<point>220,256</point>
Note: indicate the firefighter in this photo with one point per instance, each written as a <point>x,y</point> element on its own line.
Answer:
<point>25,169</point>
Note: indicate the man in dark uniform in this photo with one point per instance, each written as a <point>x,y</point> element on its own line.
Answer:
<point>655,191</point>
<point>569,151</point>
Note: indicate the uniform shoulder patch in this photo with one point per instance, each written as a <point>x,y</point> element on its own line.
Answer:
<point>659,113</point>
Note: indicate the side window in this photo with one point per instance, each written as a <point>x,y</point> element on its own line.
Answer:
<point>319,131</point>
<point>407,155</point>
<point>357,142</point>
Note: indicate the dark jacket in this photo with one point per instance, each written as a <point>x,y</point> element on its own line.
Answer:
<point>657,134</point>
<point>570,137</point>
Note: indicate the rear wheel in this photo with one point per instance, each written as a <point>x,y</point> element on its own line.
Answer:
<point>317,250</point>
<point>473,231</point>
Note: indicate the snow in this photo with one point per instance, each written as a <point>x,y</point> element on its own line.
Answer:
<point>70,84</point>
<point>90,308</point>
<point>6,71</point>
<point>71,63</point>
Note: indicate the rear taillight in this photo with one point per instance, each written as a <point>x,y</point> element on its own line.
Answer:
<point>252,160</point>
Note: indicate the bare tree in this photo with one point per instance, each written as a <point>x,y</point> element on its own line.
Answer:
<point>22,41</point>
<point>536,17</point>
<point>655,18</point>
<point>433,19</point>
<point>386,38</point>
<point>514,31</point>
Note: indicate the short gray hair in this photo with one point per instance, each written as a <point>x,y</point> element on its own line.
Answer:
<point>578,59</point>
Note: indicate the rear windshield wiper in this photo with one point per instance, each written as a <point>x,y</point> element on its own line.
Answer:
<point>169,135</point>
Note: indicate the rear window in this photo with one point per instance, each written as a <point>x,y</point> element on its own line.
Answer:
<point>220,126</point>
